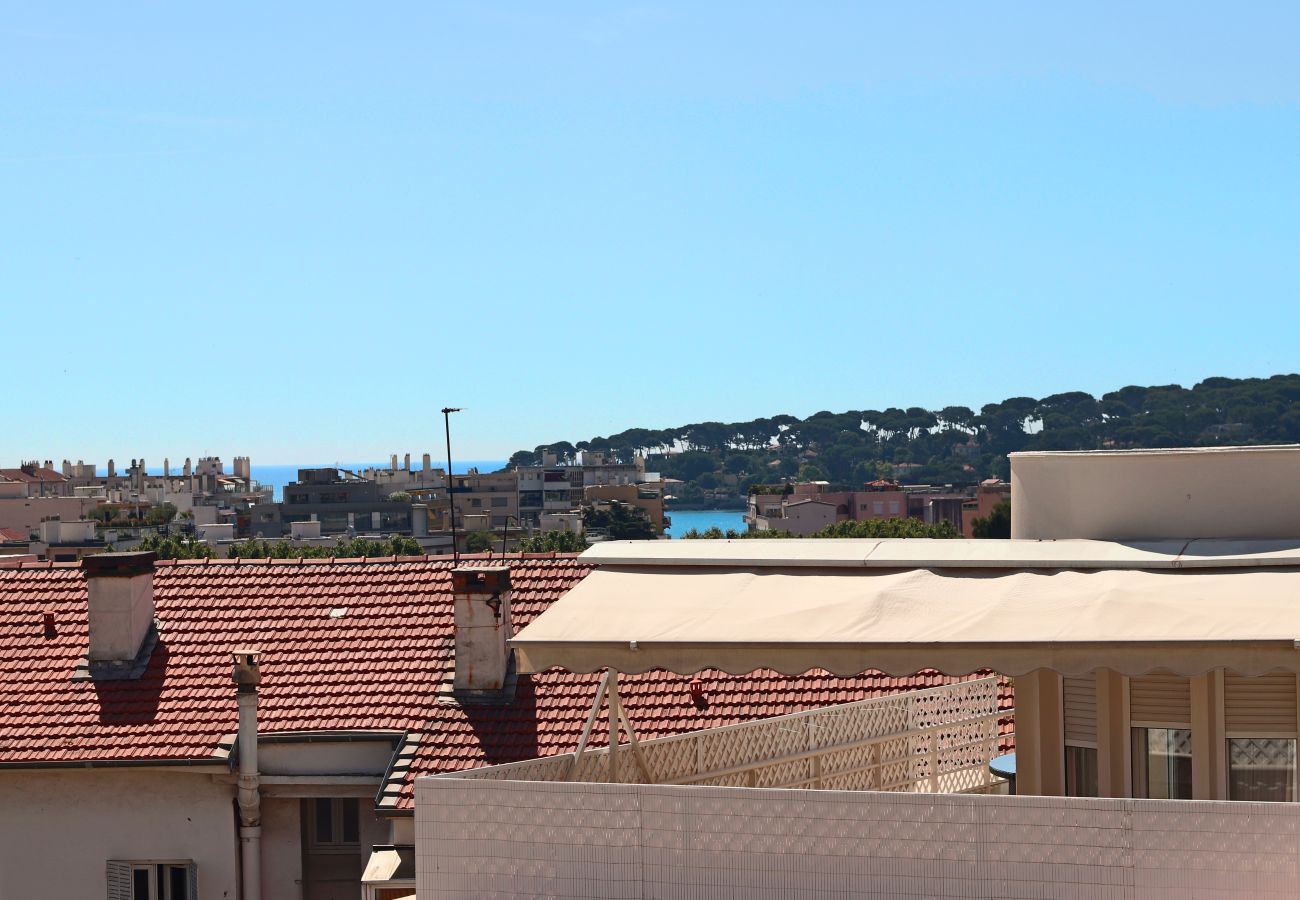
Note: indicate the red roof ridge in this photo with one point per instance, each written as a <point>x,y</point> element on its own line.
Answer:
<point>328,560</point>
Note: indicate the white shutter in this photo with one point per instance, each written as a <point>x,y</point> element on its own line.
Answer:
<point>1259,707</point>
<point>120,885</point>
<point>192,881</point>
<point>1079,701</point>
<point>1160,700</point>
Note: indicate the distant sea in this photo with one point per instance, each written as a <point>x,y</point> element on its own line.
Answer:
<point>704,519</point>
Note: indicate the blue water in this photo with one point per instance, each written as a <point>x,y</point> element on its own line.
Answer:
<point>703,519</point>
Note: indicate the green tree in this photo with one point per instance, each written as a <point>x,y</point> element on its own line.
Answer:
<point>174,547</point>
<point>160,514</point>
<point>252,548</point>
<point>622,521</point>
<point>554,542</point>
<point>478,541</point>
<point>997,524</point>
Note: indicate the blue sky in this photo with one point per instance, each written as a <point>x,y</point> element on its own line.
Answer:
<point>297,230</point>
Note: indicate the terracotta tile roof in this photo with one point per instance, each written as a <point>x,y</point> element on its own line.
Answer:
<point>377,666</point>
<point>13,535</point>
<point>37,474</point>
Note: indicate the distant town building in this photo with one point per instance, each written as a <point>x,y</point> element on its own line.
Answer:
<point>341,501</point>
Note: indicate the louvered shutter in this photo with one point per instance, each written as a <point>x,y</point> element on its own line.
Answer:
<point>192,881</point>
<point>1160,700</point>
<point>119,880</point>
<point>1259,707</point>
<point>1079,700</point>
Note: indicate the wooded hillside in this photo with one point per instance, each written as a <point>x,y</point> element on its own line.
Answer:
<point>953,445</point>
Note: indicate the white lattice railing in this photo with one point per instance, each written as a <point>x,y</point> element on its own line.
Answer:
<point>938,740</point>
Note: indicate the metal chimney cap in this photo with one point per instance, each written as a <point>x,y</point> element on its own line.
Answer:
<point>246,672</point>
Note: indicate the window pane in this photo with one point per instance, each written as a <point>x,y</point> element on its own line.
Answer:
<point>140,884</point>
<point>177,883</point>
<point>1081,772</point>
<point>1162,763</point>
<point>351,826</point>
<point>324,822</point>
<point>1261,769</point>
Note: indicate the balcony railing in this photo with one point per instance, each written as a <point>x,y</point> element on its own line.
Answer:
<point>938,740</point>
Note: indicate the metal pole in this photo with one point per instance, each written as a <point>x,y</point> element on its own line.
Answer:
<point>451,481</point>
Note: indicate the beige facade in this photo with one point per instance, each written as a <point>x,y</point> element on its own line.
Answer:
<point>1231,493</point>
<point>648,498</point>
<point>59,829</point>
<point>486,502</point>
<point>27,513</point>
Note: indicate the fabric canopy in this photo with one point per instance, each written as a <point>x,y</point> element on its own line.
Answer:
<point>634,619</point>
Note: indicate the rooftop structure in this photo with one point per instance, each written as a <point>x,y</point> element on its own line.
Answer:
<point>1151,633</point>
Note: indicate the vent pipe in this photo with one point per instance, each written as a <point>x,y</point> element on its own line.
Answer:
<point>247,676</point>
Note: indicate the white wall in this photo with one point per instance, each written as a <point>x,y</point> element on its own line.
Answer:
<point>59,828</point>
<point>517,839</point>
<point>281,847</point>
<point>1234,492</point>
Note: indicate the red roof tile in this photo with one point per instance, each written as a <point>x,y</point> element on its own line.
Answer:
<point>13,535</point>
<point>377,667</point>
<point>37,474</point>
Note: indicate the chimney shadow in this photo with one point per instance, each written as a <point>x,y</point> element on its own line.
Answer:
<point>134,701</point>
<point>506,732</point>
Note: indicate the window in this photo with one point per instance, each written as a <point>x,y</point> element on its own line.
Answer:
<point>893,507</point>
<point>1261,769</point>
<point>1081,772</point>
<point>878,507</point>
<point>1079,703</point>
<point>476,503</point>
<point>151,880</point>
<point>1162,763</point>
<point>335,824</point>
<point>500,501</point>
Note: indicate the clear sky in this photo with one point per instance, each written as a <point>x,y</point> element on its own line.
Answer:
<point>297,230</point>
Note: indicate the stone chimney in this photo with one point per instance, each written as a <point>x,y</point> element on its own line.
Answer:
<point>119,596</point>
<point>482,614</point>
<point>112,469</point>
<point>428,462</point>
<point>406,463</point>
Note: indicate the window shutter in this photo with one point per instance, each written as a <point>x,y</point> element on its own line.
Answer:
<point>1160,700</point>
<point>119,880</point>
<point>1263,706</point>
<point>1079,700</point>
<point>192,881</point>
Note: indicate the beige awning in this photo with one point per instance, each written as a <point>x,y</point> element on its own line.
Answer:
<point>685,619</point>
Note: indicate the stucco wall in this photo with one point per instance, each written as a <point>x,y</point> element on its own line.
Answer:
<point>521,839</point>
<point>59,829</point>
<point>1239,492</point>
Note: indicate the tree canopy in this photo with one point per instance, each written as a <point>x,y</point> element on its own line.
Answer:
<point>953,444</point>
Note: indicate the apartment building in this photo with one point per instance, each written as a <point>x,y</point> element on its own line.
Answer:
<point>340,501</point>
<point>38,480</point>
<point>552,487</point>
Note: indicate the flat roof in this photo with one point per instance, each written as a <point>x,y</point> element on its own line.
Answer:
<point>930,553</point>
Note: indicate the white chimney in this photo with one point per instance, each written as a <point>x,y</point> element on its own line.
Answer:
<point>482,616</point>
<point>119,596</point>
